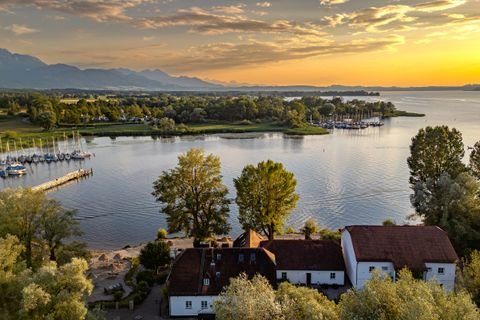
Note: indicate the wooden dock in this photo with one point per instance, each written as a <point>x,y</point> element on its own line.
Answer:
<point>72,176</point>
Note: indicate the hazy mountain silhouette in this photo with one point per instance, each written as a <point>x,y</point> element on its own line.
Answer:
<point>19,71</point>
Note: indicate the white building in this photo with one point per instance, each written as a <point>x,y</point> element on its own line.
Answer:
<point>425,250</point>
<point>308,262</point>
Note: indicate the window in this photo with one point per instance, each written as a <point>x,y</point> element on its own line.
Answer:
<point>253,258</point>
<point>204,305</point>
<point>441,270</point>
<point>371,268</point>
<point>384,268</point>
<point>206,282</point>
<point>188,304</point>
<point>219,256</point>
<point>241,258</point>
<point>333,275</point>
<point>284,276</point>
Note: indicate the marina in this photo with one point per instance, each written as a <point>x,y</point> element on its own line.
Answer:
<point>13,161</point>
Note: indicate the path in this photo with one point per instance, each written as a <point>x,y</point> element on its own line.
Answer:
<point>148,310</point>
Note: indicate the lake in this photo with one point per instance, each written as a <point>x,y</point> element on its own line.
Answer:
<point>347,177</point>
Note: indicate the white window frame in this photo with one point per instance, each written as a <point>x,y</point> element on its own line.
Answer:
<point>371,268</point>
<point>204,305</point>
<point>206,282</point>
<point>188,304</point>
<point>333,275</point>
<point>441,270</point>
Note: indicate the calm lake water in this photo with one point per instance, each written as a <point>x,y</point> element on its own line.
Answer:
<point>347,177</point>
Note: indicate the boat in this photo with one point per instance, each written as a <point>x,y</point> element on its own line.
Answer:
<point>16,169</point>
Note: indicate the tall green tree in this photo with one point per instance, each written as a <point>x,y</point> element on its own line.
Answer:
<point>265,197</point>
<point>193,197</point>
<point>475,160</point>
<point>435,151</point>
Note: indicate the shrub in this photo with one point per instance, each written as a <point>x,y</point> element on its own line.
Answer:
<point>146,276</point>
<point>162,234</point>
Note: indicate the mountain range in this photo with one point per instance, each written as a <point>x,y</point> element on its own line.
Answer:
<point>20,71</point>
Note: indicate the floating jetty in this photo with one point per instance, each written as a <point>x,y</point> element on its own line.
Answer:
<point>75,175</point>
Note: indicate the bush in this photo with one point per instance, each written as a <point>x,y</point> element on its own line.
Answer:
<point>162,234</point>
<point>146,276</point>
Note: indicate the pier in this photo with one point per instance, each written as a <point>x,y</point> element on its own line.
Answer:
<point>72,176</point>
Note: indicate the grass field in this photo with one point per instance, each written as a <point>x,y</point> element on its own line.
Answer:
<point>23,132</point>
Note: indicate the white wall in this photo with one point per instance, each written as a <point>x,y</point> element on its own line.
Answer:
<point>318,277</point>
<point>349,257</point>
<point>178,303</point>
<point>364,274</point>
<point>447,279</point>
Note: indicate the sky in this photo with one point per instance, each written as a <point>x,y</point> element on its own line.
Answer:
<point>285,42</point>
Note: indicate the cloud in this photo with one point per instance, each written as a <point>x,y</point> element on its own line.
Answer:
<point>375,19</point>
<point>229,9</point>
<point>227,55</point>
<point>263,4</point>
<point>439,5</point>
<point>20,29</point>
<point>332,2</point>
<point>101,10</point>
<point>208,22</point>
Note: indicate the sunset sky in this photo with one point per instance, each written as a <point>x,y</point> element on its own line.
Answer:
<point>316,42</point>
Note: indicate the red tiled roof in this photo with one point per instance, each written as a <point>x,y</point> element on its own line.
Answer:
<point>404,246</point>
<point>306,254</point>
<point>194,265</point>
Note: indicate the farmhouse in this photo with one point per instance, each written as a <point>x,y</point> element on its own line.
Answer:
<point>425,250</point>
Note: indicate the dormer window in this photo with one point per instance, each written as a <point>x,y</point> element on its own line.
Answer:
<point>241,258</point>
<point>206,282</point>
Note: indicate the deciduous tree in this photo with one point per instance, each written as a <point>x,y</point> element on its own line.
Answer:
<point>408,298</point>
<point>265,197</point>
<point>247,300</point>
<point>193,196</point>
<point>435,151</point>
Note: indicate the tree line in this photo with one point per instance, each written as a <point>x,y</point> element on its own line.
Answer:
<point>49,110</point>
